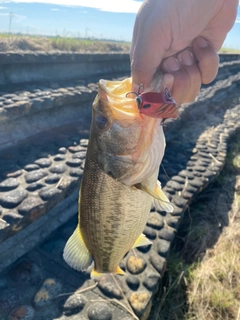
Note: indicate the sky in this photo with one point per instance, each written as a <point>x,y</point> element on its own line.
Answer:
<point>102,19</point>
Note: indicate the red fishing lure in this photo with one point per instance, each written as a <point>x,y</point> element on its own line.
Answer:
<point>157,105</point>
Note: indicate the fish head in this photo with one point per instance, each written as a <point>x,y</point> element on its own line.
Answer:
<point>122,136</point>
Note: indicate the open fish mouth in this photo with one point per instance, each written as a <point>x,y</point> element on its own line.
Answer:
<point>114,94</point>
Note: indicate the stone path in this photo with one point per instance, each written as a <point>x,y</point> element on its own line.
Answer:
<point>38,209</point>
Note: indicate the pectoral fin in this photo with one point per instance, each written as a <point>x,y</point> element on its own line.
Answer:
<point>76,253</point>
<point>161,201</point>
<point>142,240</point>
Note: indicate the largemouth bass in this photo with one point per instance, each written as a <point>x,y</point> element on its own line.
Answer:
<point>119,182</point>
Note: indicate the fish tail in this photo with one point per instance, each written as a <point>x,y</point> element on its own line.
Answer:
<point>75,253</point>
<point>96,274</point>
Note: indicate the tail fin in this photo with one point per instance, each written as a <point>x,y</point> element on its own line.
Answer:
<point>76,253</point>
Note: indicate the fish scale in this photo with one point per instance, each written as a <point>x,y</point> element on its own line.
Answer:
<point>117,215</point>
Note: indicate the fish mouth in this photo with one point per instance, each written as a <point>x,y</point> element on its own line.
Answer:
<point>113,94</point>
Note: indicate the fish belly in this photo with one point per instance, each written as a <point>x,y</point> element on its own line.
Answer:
<point>112,216</point>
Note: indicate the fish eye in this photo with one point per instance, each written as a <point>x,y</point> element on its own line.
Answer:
<point>146,106</point>
<point>102,122</point>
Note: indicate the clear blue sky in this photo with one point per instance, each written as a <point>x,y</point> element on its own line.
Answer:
<point>109,19</point>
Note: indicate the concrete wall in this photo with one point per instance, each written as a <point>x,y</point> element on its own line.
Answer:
<point>16,68</point>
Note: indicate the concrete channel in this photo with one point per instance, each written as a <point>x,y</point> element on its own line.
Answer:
<point>45,112</point>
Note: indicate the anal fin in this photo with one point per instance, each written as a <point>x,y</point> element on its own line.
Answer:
<point>75,253</point>
<point>142,240</point>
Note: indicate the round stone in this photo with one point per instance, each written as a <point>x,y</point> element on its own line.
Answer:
<point>207,174</point>
<point>144,249</point>
<point>204,155</point>
<point>31,167</point>
<point>75,149</point>
<point>136,265</point>
<point>169,190</point>
<point>197,174</point>
<point>139,301</point>
<point>13,198</point>
<point>158,262</point>
<point>74,304</point>
<point>76,172</point>
<point>163,247</point>
<point>179,201</point>
<point>173,222</point>
<point>24,312</point>
<point>48,193</point>
<point>12,217</point>
<point>59,168</point>
<point>196,182</point>
<point>189,188</point>
<point>186,174</point>
<point>62,150</point>
<point>9,184</point>
<point>99,311</point>
<point>133,282</point>
<point>166,233</point>
<point>149,232</point>
<point>174,185</point>
<point>74,162</point>
<point>35,175</point>
<point>43,162</point>
<point>151,281</point>
<point>32,207</point>
<point>35,186</point>
<point>179,179</point>
<point>79,155</point>
<point>53,178</point>
<point>84,143</point>
<point>108,286</point>
<point>59,157</point>
<point>155,220</point>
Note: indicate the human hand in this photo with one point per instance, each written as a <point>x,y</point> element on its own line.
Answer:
<point>181,37</point>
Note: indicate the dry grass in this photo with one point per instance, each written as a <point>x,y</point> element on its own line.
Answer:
<point>229,50</point>
<point>23,43</point>
<point>202,281</point>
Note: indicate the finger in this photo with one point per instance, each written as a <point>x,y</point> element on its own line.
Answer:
<point>151,38</point>
<point>187,76</point>
<point>189,65</point>
<point>208,59</point>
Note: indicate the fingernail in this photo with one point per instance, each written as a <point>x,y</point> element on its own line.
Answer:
<point>168,80</point>
<point>186,58</point>
<point>172,64</point>
<point>201,42</point>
